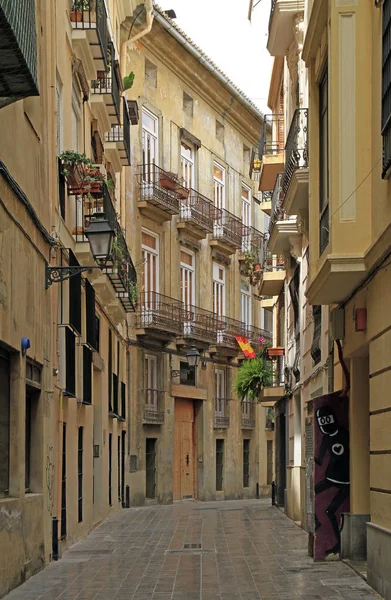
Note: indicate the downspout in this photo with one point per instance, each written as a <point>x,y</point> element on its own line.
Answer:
<point>148,24</point>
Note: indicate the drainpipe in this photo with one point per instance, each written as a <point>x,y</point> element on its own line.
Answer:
<point>148,24</point>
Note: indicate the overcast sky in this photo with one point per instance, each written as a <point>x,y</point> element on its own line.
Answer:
<point>238,47</point>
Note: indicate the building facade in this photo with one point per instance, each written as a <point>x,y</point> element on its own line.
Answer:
<point>194,225</point>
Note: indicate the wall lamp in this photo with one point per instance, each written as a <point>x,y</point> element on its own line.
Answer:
<point>193,358</point>
<point>100,237</point>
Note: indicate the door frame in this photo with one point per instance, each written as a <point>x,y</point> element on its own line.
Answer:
<point>194,447</point>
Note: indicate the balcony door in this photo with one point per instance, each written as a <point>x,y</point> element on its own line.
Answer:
<point>245,304</point>
<point>150,140</point>
<point>187,278</point>
<point>218,290</point>
<point>187,165</point>
<point>150,254</point>
<point>219,185</point>
<point>246,217</point>
<point>220,393</point>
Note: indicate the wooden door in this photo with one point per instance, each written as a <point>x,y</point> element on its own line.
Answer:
<point>184,452</point>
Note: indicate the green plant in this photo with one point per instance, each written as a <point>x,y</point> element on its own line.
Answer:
<point>81,5</point>
<point>133,291</point>
<point>119,255</point>
<point>70,159</point>
<point>252,376</point>
<point>128,81</point>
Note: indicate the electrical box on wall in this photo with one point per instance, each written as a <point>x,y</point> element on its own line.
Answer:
<point>337,323</point>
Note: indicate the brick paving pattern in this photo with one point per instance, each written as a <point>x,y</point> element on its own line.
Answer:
<point>234,550</point>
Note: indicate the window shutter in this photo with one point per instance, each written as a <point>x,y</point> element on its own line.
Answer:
<point>386,87</point>
<point>315,347</point>
<point>70,362</point>
<point>90,315</point>
<point>115,394</point>
<point>123,400</point>
<point>87,375</point>
<point>74,296</point>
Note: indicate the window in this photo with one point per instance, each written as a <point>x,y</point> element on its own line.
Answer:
<point>219,185</point>
<point>97,332</point>
<point>110,371</point>
<point>123,400</point>
<point>123,434</point>
<point>64,483</point>
<point>150,73</point>
<point>245,303</point>
<point>219,464</point>
<point>187,374</point>
<point>187,164</point>
<point>188,104</point>
<point>323,163</point>
<point>110,469</point>
<point>150,381</point>
<point>316,352</point>
<point>90,315</point>
<point>220,131</point>
<point>150,143</point>
<point>80,475</point>
<point>119,467</point>
<point>246,205</point>
<point>220,384</point>
<point>87,375</point>
<point>76,118</point>
<point>246,410</point>
<point>115,393</point>
<point>386,88</point>
<point>150,467</point>
<point>218,290</point>
<point>187,277</point>
<point>246,463</point>
<point>74,296</point>
<point>70,363</point>
<point>150,254</point>
<point>60,117</point>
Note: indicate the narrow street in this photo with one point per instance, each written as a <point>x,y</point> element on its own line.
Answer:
<point>233,550</point>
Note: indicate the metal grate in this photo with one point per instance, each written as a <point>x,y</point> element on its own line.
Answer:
<point>192,545</point>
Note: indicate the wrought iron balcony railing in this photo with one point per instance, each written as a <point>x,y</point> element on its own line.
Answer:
<point>221,419</point>
<point>228,229</point>
<point>160,313</point>
<point>276,212</point>
<point>227,330</point>
<point>108,85</point>
<point>18,52</point>
<point>248,414</point>
<point>254,334</point>
<point>252,241</point>
<point>198,324</point>
<point>296,147</point>
<point>272,138</point>
<point>198,210</point>
<point>153,406</point>
<point>120,134</point>
<point>159,187</point>
<point>120,268</point>
<point>92,15</point>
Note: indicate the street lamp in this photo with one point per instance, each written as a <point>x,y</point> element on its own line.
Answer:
<point>100,237</point>
<point>193,357</point>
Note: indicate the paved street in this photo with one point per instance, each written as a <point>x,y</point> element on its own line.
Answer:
<point>238,550</point>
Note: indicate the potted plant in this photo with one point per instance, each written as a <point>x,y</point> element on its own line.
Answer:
<point>252,376</point>
<point>75,166</point>
<point>133,291</point>
<point>274,352</point>
<point>78,6</point>
<point>168,180</point>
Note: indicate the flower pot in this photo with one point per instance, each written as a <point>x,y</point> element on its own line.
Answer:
<point>275,352</point>
<point>183,193</point>
<point>257,267</point>
<point>76,16</point>
<point>166,182</point>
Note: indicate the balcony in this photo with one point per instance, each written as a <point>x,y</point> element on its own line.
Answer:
<point>283,230</point>
<point>117,145</point>
<point>89,35</point>
<point>248,415</point>
<point>153,413</point>
<point>158,316</point>
<point>271,149</point>
<point>227,234</point>
<point>254,333</point>
<point>295,179</point>
<point>281,25</point>
<point>221,418</point>
<point>120,269</point>
<point>198,326</point>
<point>273,276</point>
<point>18,52</point>
<point>226,332</point>
<point>250,257</point>
<point>106,95</point>
<point>266,201</point>
<point>197,215</point>
<point>276,389</point>
<point>158,197</point>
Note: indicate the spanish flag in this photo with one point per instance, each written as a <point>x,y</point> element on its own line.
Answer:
<point>245,347</point>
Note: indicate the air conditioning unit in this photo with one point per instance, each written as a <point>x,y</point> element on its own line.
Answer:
<point>133,111</point>
<point>337,323</point>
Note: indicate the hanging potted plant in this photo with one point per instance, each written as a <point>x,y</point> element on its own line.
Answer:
<point>75,167</point>
<point>274,352</point>
<point>168,180</point>
<point>252,376</point>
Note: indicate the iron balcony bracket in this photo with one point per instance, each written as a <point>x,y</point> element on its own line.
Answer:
<point>58,274</point>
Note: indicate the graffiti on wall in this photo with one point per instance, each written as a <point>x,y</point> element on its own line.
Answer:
<point>332,484</point>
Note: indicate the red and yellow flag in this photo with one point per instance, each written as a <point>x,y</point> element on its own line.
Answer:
<point>245,347</point>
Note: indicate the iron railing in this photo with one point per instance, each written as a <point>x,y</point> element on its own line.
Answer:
<point>276,210</point>
<point>92,15</point>
<point>228,228</point>
<point>248,415</point>
<point>296,147</point>
<point>153,406</point>
<point>227,330</point>
<point>252,241</point>
<point>198,210</point>
<point>221,419</point>
<point>198,324</point>
<point>120,135</point>
<point>272,138</point>
<point>254,334</point>
<point>122,272</point>
<point>108,85</point>
<point>267,196</point>
<point>160,313</point>
<point>277,378</point>
<point>18,54</point>
<point>159,187</point>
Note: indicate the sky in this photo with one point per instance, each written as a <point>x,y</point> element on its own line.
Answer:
<point>221,28</point>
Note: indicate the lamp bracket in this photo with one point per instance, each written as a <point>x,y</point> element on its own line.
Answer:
<point>58,274</point>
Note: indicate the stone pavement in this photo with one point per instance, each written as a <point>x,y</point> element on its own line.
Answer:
<point>233,550</point>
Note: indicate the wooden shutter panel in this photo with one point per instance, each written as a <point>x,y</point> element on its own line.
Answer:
<point>90,315</point>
